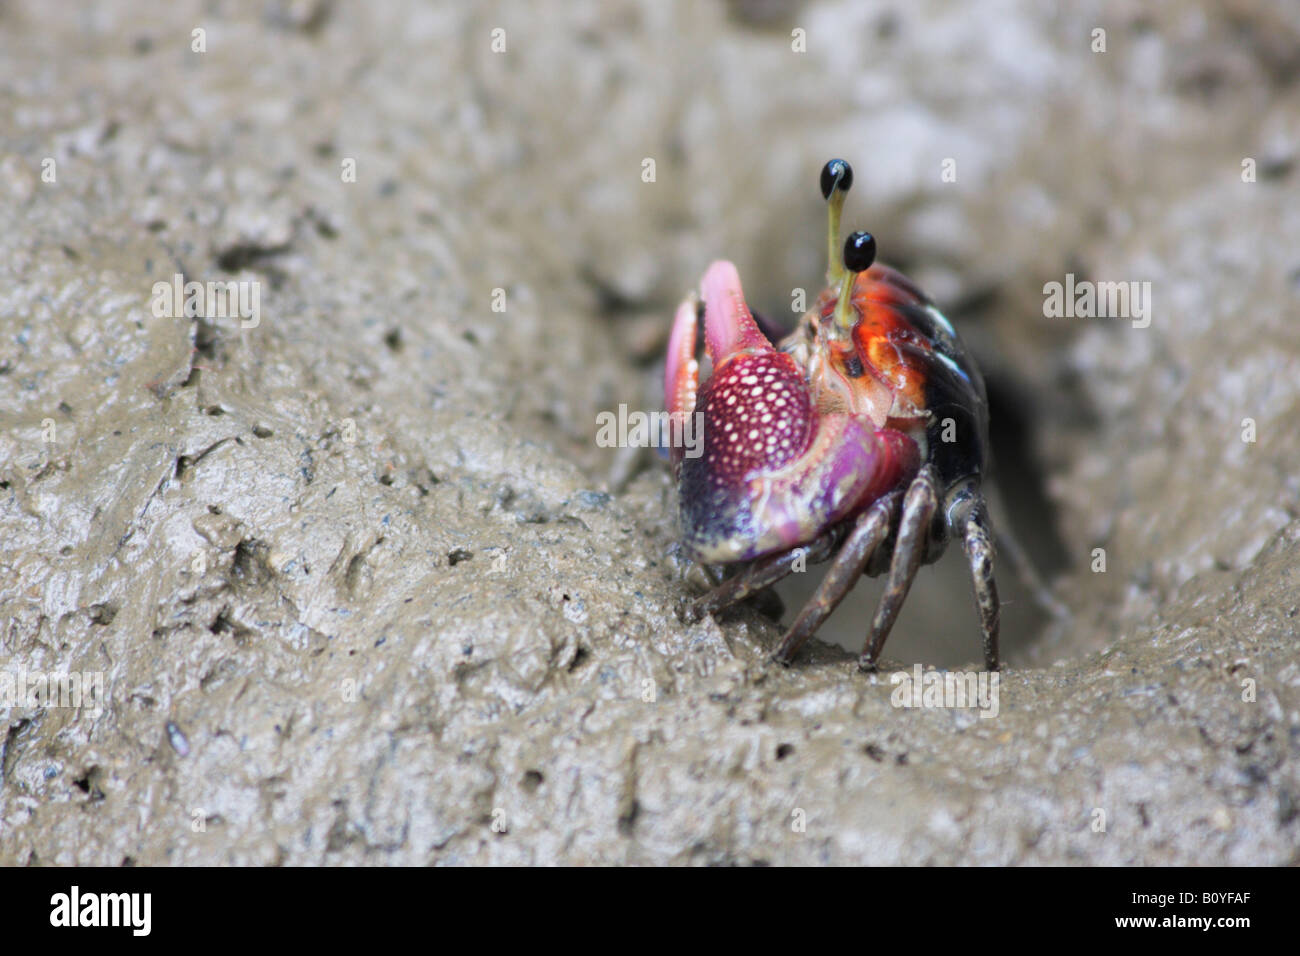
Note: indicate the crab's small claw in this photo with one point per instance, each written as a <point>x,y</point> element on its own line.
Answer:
<point>774,472</point>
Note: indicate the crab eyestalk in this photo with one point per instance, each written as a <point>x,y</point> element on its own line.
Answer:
<point>859,254</point>
<point>837,178</point>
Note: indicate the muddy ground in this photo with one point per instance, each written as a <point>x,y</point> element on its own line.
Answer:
<point>362,588</point>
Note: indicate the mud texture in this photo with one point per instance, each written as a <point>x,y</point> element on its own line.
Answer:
<point>362,587</point>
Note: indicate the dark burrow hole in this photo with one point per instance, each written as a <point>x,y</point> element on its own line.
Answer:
<point>457,556</point>
<point>532,780</point>
<point>88,783</point>
<point>784,750</point>
<point>251,563</point>
<point>1021,481</point>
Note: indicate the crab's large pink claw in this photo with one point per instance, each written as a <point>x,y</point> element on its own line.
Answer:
<point>774,472</point>
<point>729,328</point>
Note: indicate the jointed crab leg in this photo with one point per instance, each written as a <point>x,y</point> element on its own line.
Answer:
<point>919,506</point>
<point>761,574</point>
<point>977,541</point>
<point>868,533</point>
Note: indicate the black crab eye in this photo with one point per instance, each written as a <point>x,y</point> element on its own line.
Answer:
<point>837,174</point>
<point>859,251</point>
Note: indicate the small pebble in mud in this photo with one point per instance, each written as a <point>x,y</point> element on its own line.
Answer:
<point>180,743</point>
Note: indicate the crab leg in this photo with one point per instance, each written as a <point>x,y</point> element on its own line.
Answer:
<point>871,529</point>
<point>919,506</point>
<point>761,574</point>
<point>977,540</point>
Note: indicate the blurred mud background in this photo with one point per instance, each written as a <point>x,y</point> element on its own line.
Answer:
<point>368,560</point>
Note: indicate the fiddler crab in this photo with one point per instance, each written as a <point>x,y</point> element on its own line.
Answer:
<point>861,436</point>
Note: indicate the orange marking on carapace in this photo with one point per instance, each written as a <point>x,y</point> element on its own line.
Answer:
<point>880,332</point>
